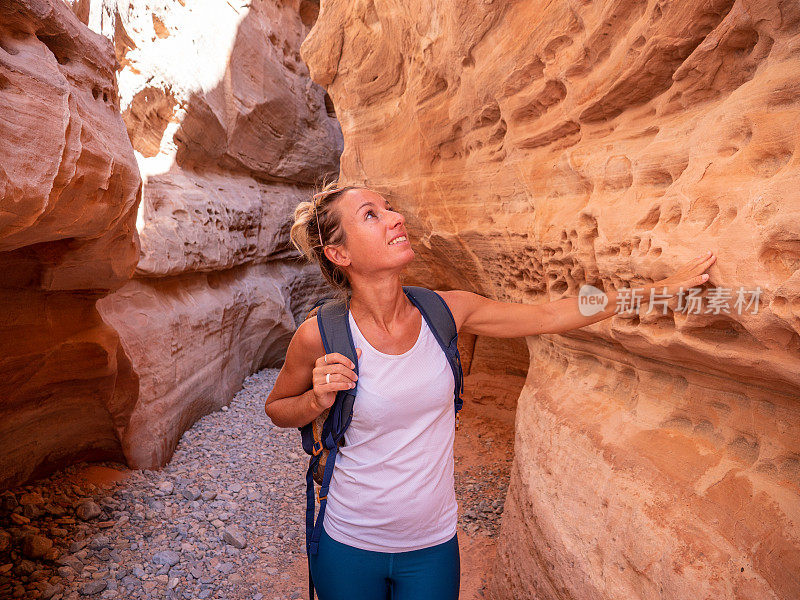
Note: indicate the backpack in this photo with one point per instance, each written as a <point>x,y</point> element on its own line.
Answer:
<point>322,437</point>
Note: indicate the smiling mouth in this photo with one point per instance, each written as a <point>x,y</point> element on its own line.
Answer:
<point>399,240</point>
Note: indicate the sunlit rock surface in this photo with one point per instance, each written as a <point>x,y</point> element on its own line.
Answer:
<point>149,168</point>
<point>230,134</point>
<point>535,147</point>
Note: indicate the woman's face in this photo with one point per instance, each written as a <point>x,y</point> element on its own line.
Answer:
<point>370,224</point>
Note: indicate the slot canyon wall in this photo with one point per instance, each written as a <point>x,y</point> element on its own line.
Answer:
<point>535,147</point>
<point>149,170</point>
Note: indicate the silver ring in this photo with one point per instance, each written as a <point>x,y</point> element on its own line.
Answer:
<point>327,377</point>
<point>326,359</point>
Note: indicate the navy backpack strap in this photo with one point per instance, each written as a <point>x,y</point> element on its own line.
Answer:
<point>334,328</point>
<point>440,319</point>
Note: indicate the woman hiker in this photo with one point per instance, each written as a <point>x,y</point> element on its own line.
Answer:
<point>391,518</point>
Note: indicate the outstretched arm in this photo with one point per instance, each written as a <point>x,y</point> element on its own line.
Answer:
<point>483,316</point>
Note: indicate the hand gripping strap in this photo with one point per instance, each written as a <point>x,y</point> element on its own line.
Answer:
<point>334,328</point>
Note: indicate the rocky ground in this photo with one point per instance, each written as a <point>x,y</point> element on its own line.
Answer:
<point>224,519</point>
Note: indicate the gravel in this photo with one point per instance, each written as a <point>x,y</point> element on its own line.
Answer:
<point>225,519</point>
<point>228,506</point>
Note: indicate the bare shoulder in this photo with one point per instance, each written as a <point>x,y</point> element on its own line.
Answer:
<point>304,349</point>
<point>309,338</point>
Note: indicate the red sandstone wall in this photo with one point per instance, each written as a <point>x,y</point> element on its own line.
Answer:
<point>149,170</point>
<point>69,188</point>
<point>535,147</point>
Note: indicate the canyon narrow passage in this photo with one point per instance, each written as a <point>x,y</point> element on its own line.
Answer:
<point>158,162</point>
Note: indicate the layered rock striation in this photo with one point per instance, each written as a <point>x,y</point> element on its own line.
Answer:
<point>230,134</point>
<point>69,189</point>
<point>534,148</point>
<point>149,168</point>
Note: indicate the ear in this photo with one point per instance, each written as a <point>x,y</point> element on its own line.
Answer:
<point>337,255</point>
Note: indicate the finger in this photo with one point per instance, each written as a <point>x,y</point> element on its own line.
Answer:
<point>333,381</point>
<point>696,265</point>
<point>336,357</point>
<point>704,257</point>
<point>702,267</point>
<point>334,368</point>
<point>338,380</point>
<point>334,386</point>
<point>324,360</point>
<point>340,369</point>
<point>697,260</point>
<point>692,264</point>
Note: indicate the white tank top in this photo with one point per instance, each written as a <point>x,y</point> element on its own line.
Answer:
<point>392,488</point>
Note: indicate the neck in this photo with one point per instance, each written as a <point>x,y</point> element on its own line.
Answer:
<point>382,302</point>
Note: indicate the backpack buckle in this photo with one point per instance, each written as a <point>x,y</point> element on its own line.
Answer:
<point>321,499</point>
<point>458,420</point>
<point>316,448</point>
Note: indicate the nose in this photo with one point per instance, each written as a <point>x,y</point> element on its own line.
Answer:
<point>396,218</point>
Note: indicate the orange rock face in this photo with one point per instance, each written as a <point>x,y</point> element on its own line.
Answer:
<point>69,187</point>
<point>538,147</point>
<point>229,133</point>
<point>149,169</point>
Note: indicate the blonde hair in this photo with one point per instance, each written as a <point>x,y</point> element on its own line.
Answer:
<point>318,223</point>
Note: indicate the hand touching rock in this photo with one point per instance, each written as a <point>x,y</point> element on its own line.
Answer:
<point>689,275</point>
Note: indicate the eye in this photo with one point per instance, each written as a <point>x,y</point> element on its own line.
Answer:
<point>372,212</point>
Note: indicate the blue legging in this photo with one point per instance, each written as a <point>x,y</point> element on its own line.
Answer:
<point>342,572</point>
